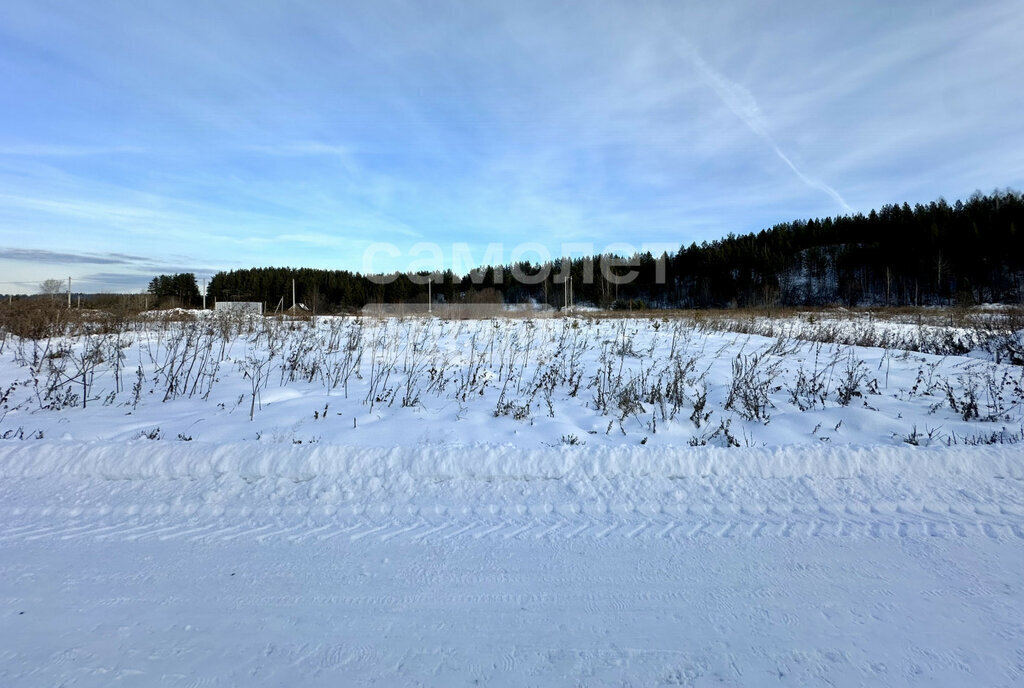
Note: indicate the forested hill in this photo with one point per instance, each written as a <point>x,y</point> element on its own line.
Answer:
<point>968,252</point>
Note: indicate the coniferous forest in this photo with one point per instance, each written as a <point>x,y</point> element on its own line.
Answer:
<point>964,253</point>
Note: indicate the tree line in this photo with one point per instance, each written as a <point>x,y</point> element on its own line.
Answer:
<point>967,252</point>
<point>182,287</point>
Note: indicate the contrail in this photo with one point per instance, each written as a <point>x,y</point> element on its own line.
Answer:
<point>743,105</point>
<point>813,183</point>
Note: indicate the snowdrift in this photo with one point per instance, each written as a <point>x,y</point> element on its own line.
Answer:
<point>147,459</point>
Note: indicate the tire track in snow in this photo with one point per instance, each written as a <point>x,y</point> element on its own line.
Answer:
<point>199,527</point>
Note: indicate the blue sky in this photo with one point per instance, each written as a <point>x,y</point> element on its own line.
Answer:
<point>139,138</point>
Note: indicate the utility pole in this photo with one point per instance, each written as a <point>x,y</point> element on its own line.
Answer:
<point>429,296</point>
<point>293,295</point>
<point>69,292</point>
<point>204,293</point>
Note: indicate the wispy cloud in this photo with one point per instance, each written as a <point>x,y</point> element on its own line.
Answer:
<point>66,151</point>
<point>57,257</point>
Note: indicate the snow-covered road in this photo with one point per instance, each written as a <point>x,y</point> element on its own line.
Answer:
<point>184,564</point>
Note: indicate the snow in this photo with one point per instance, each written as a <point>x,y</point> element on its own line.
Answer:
<point>440,544</point>
<point>370,382</point>
<point>142,460</point>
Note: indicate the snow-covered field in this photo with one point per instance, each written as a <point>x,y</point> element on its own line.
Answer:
<point>505,502</point>
<point>528,382</point>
